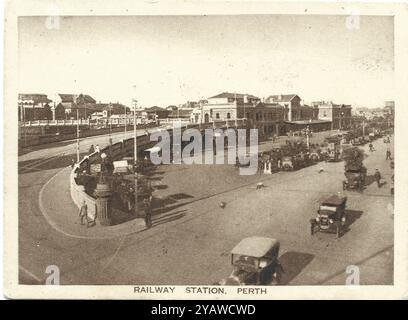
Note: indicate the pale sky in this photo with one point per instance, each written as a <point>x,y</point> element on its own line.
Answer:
<point>165,60</point>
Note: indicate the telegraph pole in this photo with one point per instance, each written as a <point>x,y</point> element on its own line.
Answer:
<point>135,151</point>
<point>110,124</point>
<point>125,121</point>
<point>77,144</point>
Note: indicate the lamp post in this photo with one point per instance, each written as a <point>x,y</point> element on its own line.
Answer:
<point>125,121</point>
<point>135,151</point>
<point>340,118</point>
<point>307,137</point>
<point>110,123</point>
<point>77,144</point>
<point>103,194</point>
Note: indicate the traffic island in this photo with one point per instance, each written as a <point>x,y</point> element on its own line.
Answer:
<point>62,213</point>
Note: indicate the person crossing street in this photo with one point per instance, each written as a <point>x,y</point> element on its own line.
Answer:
<point>147,212</point>
<point>377,177</point>
<point>388,154</point>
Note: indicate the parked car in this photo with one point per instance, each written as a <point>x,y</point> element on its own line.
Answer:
<point>333,156</point>
<point>287,164</point>
<point>355,179</point>
<point>255,262</point>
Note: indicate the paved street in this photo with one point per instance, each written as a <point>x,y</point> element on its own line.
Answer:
<point>191,238</point>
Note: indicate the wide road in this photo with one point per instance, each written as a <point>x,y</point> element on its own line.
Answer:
<point>189,243</point>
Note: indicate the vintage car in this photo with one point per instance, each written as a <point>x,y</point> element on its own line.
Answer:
<point>255,262</point>
<point>355,179</point>
<point>245,160</point>
<point>358,141</point>
<point>125,187</point>
<point>315,156</point>
<point>331,216</point>
<point>288,164</point>
<point>333,156</point>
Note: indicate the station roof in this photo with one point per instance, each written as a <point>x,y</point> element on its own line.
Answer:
<point>301,122</point>
<point>233,95</point>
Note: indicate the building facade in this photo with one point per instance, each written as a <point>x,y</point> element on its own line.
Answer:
<point>34,107</point>
<point>339,115</point>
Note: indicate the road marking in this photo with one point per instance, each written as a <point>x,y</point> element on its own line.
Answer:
<point>41,162</point>
<point>115,254</point>
<point>32,275</point>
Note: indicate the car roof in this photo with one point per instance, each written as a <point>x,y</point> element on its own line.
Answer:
<point>255,246</point>
<point>334,200</point>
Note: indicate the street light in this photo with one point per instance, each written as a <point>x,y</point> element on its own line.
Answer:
<point>77,137</point>
<point>103,157</point>
<point>110,123</point>
<point>135,151</point>
<point>125,120</point>
<point>341,115</point>
<point>307,136</point>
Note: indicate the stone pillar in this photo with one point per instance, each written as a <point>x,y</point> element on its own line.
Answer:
<point>103,203</point>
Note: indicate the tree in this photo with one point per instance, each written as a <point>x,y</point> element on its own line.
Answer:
<point>353,158</point>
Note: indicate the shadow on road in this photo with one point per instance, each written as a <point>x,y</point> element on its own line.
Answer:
<point>169,217</point>
<point>293,263</point>
<point>56,162</point>
<point>351,217</point>
<point>369,180</point>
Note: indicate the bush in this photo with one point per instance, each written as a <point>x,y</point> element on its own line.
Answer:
<point>353,158</point>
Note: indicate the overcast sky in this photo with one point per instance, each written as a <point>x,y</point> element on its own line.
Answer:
<point>172,59</point>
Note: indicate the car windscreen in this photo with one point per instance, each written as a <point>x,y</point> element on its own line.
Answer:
<point>245,260</point>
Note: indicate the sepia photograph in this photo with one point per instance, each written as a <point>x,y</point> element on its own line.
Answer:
<point>215,152</point>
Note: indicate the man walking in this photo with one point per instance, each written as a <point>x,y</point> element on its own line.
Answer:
<point>388,154</point>
<point>83,213</point>
<point>377,176</point>
<point>148,212</point>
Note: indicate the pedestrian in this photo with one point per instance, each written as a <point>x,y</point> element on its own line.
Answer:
<point>83,213</point>
<point>148,212</point>
<point>388,154</point>
<point>371,147</point>
<point>377,176</point>
<point>260,165</point>
<point>91,149</point>
<point>97,148</point>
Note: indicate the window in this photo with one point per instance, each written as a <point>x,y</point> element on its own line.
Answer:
<point>217,115</point>
<point>228,115</point>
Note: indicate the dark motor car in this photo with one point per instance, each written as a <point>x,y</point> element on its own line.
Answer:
<point>331,215</point>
